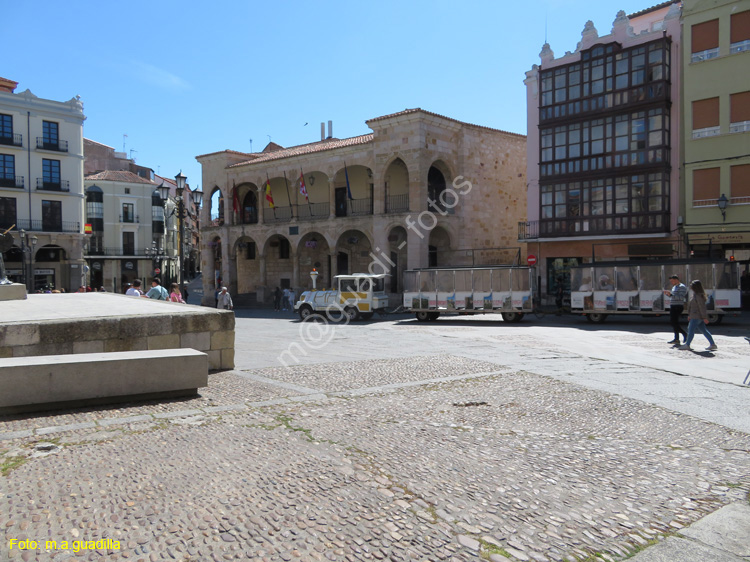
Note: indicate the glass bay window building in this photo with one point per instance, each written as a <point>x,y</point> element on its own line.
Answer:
<point>603,149</point>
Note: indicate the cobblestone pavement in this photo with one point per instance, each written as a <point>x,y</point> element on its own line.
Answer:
<point>436,457</point>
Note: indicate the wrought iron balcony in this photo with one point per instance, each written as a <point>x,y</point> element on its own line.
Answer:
<point>528,230</point>
<point>48,226</point>
<point>47,144</point>
<point>11,139</point>
<point>130,218</point>
<point>45,185</point>
<point>277,214</point>
<point>312,211</point>
<point>397,203</point>
<point>9,180</point>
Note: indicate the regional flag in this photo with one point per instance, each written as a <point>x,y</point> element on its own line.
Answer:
<point>302,187</point>
<point>348,187</point>
<point>269,197</point>
<point>235,198</point>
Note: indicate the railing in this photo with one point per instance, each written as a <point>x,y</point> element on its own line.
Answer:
<point>57,146</point>
<point>130,218</point>
<point>739,127</point>
<point>705,55</point>
<point>42,185</point>
<point>706,132</point>
<point>12,139</point>
<point>604,225</point>
<point>312,211</point>
<point>397,203</point>
<point>121,252</point>
<point>9,180</point>
<point>44,226</point>
<point>739,46</point>
<point>528,230</point>
<point>277,214</point>
<point>359,207</point>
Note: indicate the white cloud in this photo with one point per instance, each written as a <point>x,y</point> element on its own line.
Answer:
<point>159,77</point>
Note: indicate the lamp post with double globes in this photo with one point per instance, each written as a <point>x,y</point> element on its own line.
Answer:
<point>181,211</point>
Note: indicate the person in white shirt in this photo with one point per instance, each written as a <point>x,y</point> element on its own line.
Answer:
<point>224,300</point>
<point>135,289</point>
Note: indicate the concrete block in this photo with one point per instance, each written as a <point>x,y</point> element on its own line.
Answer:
<point>6,352</point>
<point>214,359</point>
<point>226,320</point>
<point>33,382</point>
<point>205,321</point>
<point>12,292</point>
<point>227,358</point>
<point>43,349</point>
<point>125,344</point>
<point>19,334</point>
<point>222,340</point>
<point>169,341</point>
<point>196,340</point>
<point>96,346</point>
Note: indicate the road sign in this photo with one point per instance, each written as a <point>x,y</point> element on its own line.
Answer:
<point>531,259</point>
<point>157,271</point>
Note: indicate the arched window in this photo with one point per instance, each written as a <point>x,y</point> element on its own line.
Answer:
<point>250,208</point>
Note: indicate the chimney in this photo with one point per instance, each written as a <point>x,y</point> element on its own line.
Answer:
<point>330,129</point>
<point>322,131</point>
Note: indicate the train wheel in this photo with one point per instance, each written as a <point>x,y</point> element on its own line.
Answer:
<point>715,318</point>
<point>512,316</point>
<point>596,317</point>
<point>423,316</point>
<point>305,312</point>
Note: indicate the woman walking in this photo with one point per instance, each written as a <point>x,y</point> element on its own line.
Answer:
<point>698,317</point>
<point>175,295</point>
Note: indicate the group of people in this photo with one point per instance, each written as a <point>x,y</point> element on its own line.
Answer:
<point>156,292</point>
<point>283,300</point>
<point>697,313</point>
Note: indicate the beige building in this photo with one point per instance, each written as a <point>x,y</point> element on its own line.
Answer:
<point>41,188</point>
<point>716,127</point>
<point>420,190</point>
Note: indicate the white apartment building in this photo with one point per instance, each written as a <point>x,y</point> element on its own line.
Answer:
<point>41,188</point>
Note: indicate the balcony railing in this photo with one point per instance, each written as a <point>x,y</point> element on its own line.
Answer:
<point>48,226</point>
<point>594,226</point>
<point>397,203</point>
<point>9,180</point>
<point>130,218</point>
<point>359,207</point>
<point>57,146</point>
<point>277,214</point>
<point>528,230</point>
<point>42,185</point>
<point>12,139</point>
<point>312,211</point>
<point>119,252</point>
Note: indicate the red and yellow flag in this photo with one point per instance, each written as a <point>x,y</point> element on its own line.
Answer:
<point>269,197</point>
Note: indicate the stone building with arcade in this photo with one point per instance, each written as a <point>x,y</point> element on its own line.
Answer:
<point>420,190</point>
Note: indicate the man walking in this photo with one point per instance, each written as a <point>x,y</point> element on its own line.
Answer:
<point>678,296</point>
<point>224,300</point>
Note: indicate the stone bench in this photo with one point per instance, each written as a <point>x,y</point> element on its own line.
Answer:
<point>46,382</point>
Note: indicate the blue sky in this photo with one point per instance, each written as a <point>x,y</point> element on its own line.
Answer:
<point>187,78</point>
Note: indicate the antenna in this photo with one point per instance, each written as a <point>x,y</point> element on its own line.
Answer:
<point>269,138</point>
<point>132,150</point>
<point>545,25</point>
<point>123,142</point>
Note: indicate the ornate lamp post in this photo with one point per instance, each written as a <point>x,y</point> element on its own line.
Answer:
<point>182,213</point>
<point>156,255</point>
<point>28,243</point>
<point>722,203</point>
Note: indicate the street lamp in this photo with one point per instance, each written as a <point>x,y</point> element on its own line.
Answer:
<point>182,212</point>
<point>156,255</point>
<point>722,203</point>
<point>28,243</point>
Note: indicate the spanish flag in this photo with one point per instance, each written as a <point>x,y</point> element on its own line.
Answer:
<point>269,197</point>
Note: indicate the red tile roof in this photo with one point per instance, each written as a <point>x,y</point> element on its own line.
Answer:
<point>653,9</point>
<point>118,175</point>
<point>420,110</point>
<point>311,148</point>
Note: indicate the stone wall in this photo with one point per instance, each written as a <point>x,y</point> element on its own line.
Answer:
<point>209,331</point>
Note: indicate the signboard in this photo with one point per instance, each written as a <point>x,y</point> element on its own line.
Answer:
<point>531,259</point>
<point>719,237</point>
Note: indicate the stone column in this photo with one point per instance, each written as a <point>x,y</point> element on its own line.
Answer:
<point>261,206</point>
<point>295,271</point>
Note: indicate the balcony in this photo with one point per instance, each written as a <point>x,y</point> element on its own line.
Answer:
<point>45,185</point>
<point>48,226</point>
<point>130,218</point>
<point>9,180</point>
<point>11,139</point>
<point>312,211</point>
<point>608,225</point>
<point>47,144</point>
<point>397,203</point>
<point>528,230</point>
<point>119,252</point>
<point>277,214</point>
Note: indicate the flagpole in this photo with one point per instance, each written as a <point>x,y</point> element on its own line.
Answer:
<point>348,189</point>
<point>307,195</point>
<point>273,206</point>
<point>286,183</point>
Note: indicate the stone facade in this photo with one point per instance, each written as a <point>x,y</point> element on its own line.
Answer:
<point>422,190</point>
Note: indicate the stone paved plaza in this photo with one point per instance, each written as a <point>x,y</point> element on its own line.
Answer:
<point>395,441</point>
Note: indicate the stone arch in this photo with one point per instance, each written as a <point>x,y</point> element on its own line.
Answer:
<point>247,195</point>
<point>437,183</point>
<point>247,263</point>
<point>317,203</point>
<point>353,252</point>
<point>216,207</point>
<point>396,186</point>
<point>313,251</point>
<point>215,246</point>
<point>397,257</point>
<point>360,188</point>
<point>279,259</point>
<point>439,247</point>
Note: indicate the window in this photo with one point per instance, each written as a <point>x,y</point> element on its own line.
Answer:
<point>7,212</point>
<point>6,129</point>
<point>706,118</point>
<point>128,212</point>
<point>250,251</point>
<point>706,186</point>
<point>52,216</point>
<point>739,35</point>
<point>7,170</point>
<point>739,112</point>
<point>51,137</point>
<point>51,174</point>
<point>128,243</point>
<point>284,249</point>
<point>705,41</point>
<point>740,183</point>
<point>95,208</point>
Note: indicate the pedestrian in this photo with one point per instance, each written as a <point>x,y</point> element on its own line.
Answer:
<point>559,294</point>
<point>157,292</point>
<point>224,300</point>
<point>285,299</point>
<point>135,289</point>
<point>678,296</point>
<point>277,299</point>
<point>698,317</point>
<point>175,295</point>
